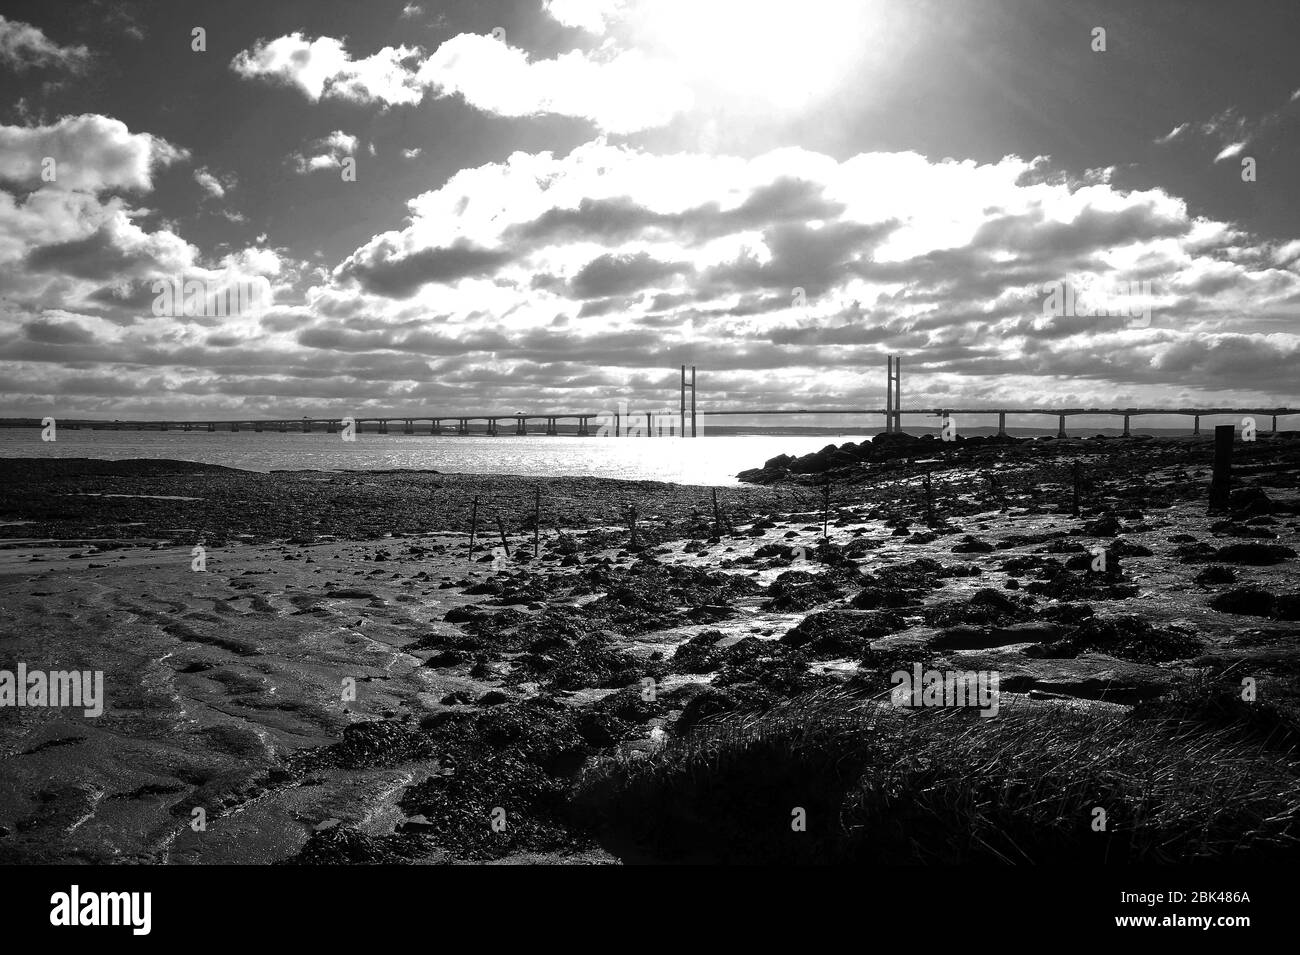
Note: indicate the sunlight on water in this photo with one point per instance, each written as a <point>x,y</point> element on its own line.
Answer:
<point>703,460</point>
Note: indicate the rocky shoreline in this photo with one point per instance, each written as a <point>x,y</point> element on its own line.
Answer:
<point>521,708</point>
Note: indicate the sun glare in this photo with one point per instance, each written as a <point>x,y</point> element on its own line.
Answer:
<point>767,53</point>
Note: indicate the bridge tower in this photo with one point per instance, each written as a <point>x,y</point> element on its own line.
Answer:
<point>893,394</point>
<point>691,386</point>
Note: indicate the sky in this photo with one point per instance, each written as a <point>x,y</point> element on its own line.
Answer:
<point>253,209</point>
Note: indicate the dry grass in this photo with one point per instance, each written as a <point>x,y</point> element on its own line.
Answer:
<point>940,786</point>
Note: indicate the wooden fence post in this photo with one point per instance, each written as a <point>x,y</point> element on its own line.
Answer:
<point>473,526</point>
<point>1222,480</point>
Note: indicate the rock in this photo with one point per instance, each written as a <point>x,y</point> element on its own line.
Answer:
<point>1254,555</point>
<point>968,637</point>
<point>1212,576</point>
<point>1258,602</point>
<point>841,632</point>
<point>1107,526</point>
<point>447,658</point>
<point>464,614</point>
<point>874,598</point>
<point>971,545</point>
<point>1252,501</point>
<point>1091,676</point>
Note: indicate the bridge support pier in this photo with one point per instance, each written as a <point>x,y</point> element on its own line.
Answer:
<point>583,431</point>
<point>521,427</point>
<point>1060,429</point>
<point>383,426</point>
<point>163,426</point>
<point>492,427</point>
<point>1126,431</point>
<point>257,427</point>
<point>410,427</point>
<point>284,426</point>
<point>462,426</point>
<point>1196,426</point>
<point>649,425</point>
<point>234,426</point>
<point>551,427</point>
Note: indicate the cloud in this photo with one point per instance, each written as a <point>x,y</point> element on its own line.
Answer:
<point>1232,130</point>
<point>1229,151</point>
<point>328,152</point>
<point>322,68</point>
<point>23,46</point>
<point>593,16</point>
<point>1173,133</point>
<point>622,93</point>
<point>621,274</point>
<point>584,277</point>
<point>89,152</point>
<point>618,91</point>
<point>383,270</point>
<point>210,183</point>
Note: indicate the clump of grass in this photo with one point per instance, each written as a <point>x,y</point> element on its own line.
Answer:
<point>1212,698</point>
<point>885,785</point>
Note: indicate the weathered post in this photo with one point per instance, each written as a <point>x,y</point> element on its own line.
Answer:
<point>632,526</point>
<point>1126,431</point>
<point>929,498</point>
<point>1220,483</point>
<point>473,526</point>
<point>826,506</point>
<point>717,516</point>
<point>1075,509</point>
<point>537,520</point>
<point>502,531</point>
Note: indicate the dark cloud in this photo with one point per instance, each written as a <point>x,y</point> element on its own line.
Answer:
<point>622,274</point>
<point>786,199</point>
<point>58,333</point>
<point>96,257</point>
<point>399,276</point>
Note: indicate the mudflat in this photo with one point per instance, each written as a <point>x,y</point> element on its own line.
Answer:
<point>314,667</point>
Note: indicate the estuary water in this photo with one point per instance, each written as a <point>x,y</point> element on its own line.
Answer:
<point>708,459</point>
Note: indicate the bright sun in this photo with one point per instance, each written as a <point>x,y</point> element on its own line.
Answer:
<point>771,53</point>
